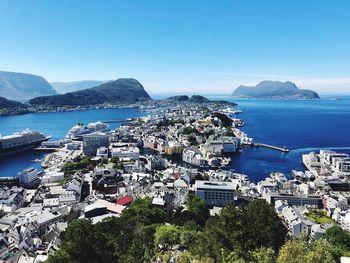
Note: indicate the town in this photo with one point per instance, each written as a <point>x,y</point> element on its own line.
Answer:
<point>176,152</point>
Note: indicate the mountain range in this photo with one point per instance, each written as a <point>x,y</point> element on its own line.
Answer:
<point>274,90</point>
<point>65,87</point>
<point>23,86</point>
<point>123,90</point>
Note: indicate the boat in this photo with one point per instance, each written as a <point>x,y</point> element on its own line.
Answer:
<point>21,141</point>
<point>78,130</point>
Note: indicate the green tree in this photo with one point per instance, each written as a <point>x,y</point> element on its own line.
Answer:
<point>293,251</point>
<point>166,236</point>
<point>263,255</point>
<point>197,205</point>
<point>303,251</point>
<point>338,237</point>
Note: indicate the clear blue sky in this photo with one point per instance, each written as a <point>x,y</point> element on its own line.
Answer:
<point>193,46</point>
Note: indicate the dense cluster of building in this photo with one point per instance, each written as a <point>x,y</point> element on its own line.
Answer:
<point>162,157</point>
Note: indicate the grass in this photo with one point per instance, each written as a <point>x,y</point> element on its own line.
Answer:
<point>319,217</point>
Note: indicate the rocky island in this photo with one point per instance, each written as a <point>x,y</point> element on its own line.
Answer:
<point>274,90</point>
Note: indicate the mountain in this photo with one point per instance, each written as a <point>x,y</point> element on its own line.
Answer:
<point>198,99</point>
<point>179,98</point>
<point>22,86</point>
<point>5,103</point>
<point>274,90</point>
<point>119,91</point>
<point>10,107</point>
<point>64,87</point>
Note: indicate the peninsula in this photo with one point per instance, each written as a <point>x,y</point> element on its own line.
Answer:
<point>126,90</point>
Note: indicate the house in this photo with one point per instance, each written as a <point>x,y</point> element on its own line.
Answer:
<point>125,200</point>
<point>194,157</point>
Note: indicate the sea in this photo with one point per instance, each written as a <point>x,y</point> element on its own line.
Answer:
<point>300,125</point>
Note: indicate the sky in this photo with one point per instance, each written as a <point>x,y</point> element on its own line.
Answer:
<point>177,46</point>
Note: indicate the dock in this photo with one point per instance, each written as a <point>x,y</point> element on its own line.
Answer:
<point>46,149</point>
<point>282,149</point>
<point>112,121</point>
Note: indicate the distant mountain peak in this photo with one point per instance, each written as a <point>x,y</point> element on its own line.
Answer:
<point>71,86</point>
<point>23,86</point>
<point>269,89</point>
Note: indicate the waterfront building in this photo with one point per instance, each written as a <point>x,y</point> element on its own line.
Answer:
<point>220,146</point>
<point>29,177</point>
<point>93,141</point>
<point>216,193</point>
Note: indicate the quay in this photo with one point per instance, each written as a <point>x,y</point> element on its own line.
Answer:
<point>282,149</point>
<point>46,149</point>
<point>112,121</point>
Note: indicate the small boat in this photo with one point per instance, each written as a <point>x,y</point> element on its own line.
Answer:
<point>36,161</point>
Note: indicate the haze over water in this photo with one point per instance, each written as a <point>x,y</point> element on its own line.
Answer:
<point>302,126</point>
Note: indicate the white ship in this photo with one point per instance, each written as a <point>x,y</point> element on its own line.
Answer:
<point>80,129</point>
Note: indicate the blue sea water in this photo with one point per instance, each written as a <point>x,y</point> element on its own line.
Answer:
<point>55,124</point>
<point>302,126</point>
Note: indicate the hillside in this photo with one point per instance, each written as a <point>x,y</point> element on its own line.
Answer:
<point>274,90</point>
<point>5,103</point>
<point>10,107</point>
<point>65,87</point>
<point>22,86</point>
<point>118,91</point>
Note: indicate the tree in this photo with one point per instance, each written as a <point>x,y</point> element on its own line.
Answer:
<point>166,236</point>
<point>197,205</point>
<point>293,251</point>
<point>263,227</point>
<point>241,230</point>
<point>338,237</point>
<point>303,251</point>
<point>263,255</point>
<point>225,120</point>
<point>189,130</point>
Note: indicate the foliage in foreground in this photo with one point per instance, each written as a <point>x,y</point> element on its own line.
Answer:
<point>144,234</point>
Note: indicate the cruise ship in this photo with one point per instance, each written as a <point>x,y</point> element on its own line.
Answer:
<point>21,141</point>
<point>80,129</point>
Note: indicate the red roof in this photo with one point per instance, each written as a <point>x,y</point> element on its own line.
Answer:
<point>126,200</point>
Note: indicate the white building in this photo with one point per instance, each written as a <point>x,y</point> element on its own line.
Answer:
<point>194,157</point>
<point>28,176</point>
<point>132,153</point>
<point>216,193</point>
<point>102,152</point>
<point>52,176</point>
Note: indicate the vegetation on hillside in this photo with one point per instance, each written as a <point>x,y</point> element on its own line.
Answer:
<point>144,232</point>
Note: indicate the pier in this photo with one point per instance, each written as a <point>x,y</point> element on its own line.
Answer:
<point>282,149</point>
